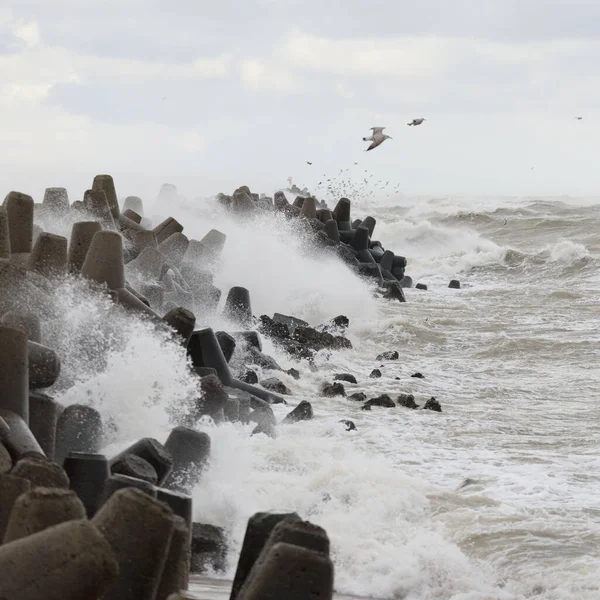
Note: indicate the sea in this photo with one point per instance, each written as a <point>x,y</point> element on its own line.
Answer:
<point>495,498</point>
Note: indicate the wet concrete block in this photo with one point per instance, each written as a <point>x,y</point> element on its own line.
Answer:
<point>237,305</point>
<point>114,483</point>
<point>43,418</point>
<point>190,450</point>
<point>104,260</point>
<point>209,548</point>
<point>107,185</point>
<point>182,321</point>
<point>41,472</point>
<point>167,228</point>
<point>177,566</point>
<point>49,256</point>
<point>44,366</point>
<point>153,452</point>
<point>134,466</point>
<point>28,322</point>
<point>78,429</point>
<point>41,508</point>
<point>87,474</point>
<point>14,367</point>
<point>11,487</point>
<point>82,234</point>
<point>139,530</point>
<point>19,209</point>
<point>258,530</point>
<point>19,440</point>
<point>4,234</point>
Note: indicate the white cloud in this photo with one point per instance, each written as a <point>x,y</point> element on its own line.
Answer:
<point>265,76</point>
<point>28,32</point>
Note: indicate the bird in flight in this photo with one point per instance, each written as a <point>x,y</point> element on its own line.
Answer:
<point>416,122</point>
<point>377,137</point>
<point>308,162</point>
<point>579,118</point>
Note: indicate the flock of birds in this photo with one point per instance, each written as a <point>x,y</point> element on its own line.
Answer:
<point>344,185</point>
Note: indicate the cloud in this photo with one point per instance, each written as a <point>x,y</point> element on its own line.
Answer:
<point>261,75</point>
<point>29,33</point>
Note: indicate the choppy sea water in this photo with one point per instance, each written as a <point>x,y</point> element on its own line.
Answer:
<point>494,498</point>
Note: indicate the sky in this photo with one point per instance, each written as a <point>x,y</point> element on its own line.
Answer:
<point>214,95</point>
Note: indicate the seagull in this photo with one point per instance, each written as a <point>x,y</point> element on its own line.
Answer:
<point>416,122</point>
<point>308,162</point>
<point>378,137</point>
<point>579,118</point>
<point>505,220</point>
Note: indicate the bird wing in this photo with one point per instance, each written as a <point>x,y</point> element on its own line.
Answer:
<point>377,130</point>
<point>374,144</point>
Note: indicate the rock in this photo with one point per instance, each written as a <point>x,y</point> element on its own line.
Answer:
<point>267,428</point>
<point>264,361</point>
<point>296,349</point>
<point>293,373</point>
<point>249,377</point>
<point>375,374</point>
<point>350,426</point>
<point>389,355</point>
<point>209,548</point>
<point>340,322</point>
<point>418,375</point>
<point>250,339</point>
<point>454,284</point>
<point>334,389</point>
<point>394,292</point>
<point>421,286</point>
<point>383,400</point>
<point>345,377</point>
<point>432,404</point>
<point>302,412</point>
<point>227,343</point>
<point>213,398</point>
<point>291,322</point>
<point>134,466</point>
<point>407,400</point>
<point>318,340</point>
<point>358,397</point>
<point>406,281</point>
<point>274,385</point>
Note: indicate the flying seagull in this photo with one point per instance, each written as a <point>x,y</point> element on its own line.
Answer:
<point>579,118</point>
<point>308,162</point>
<point>378,137</point>
<point>416,122</point>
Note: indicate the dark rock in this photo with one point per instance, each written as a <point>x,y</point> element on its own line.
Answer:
<point>454,284</point>
<point>249,377</point>
<point>293,373</point>
<point>227,344</point>
<point>375,374</point>
<point>406,282</point>
<point>400,262</point>
<point>345,377</point>
<point>249,339</point>
<point>420,286</point>
<point>371,271</point>
<point>312,367</point>
<point>418,375</point>
<point>266,428</point>
<point>296,349</point>
<point>334,389</point>
<point>302,412</point>
<point>209,548</point>
<point>358,396</point>
<point>291,322</point>
<point>432,404</point>
<point>407,400</point>
<point>274,385</point>
<point>262,414</point>
<point>319,340</point>
<point>383,400</point>
<point>213,397</point>
<point>389,355</point>
<point>394,292</point>
<point>350,426</point>
<point>254,357</point>
<point>347,254</point>
<point>272,329</point>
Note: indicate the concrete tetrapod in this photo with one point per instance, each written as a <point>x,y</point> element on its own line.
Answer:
<point>29,322</point>
<point>56,200</point>
<point>139,530</point>
<point>4,234</point>
<point>87,474</point>
<point>19,208</point>
<point>177,566</point>
<point>70,561</point>
<point>82,234</point>
<point>78,429</point>
<point>43,417</point>
<point>41,508</point>
<point>104,260</point>
<point>107,185</point>
<point>190,450</point>
<point>212,357</point>
<point>49,255</point>
<point>14,367</point>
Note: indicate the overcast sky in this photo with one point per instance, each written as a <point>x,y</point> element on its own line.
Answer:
<point>213,95</point>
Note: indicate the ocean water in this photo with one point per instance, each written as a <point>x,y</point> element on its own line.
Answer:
<point>497,497</point>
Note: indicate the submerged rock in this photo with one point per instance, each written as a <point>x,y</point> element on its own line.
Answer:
<point>275,385</point>
<point>249,377</point>
<point>333,389</point>
<point>350,426</point>
<point>358,396</point>
<point>389,355</point>
<point>432,404</point>
<point>375,374</point>
<point>407,400</point>
<point>293,373</point>
<point>302,412</point>
<point>383,400</point>
<point>418,375</point>
<point>420,286</point>
<point>345,377</point>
